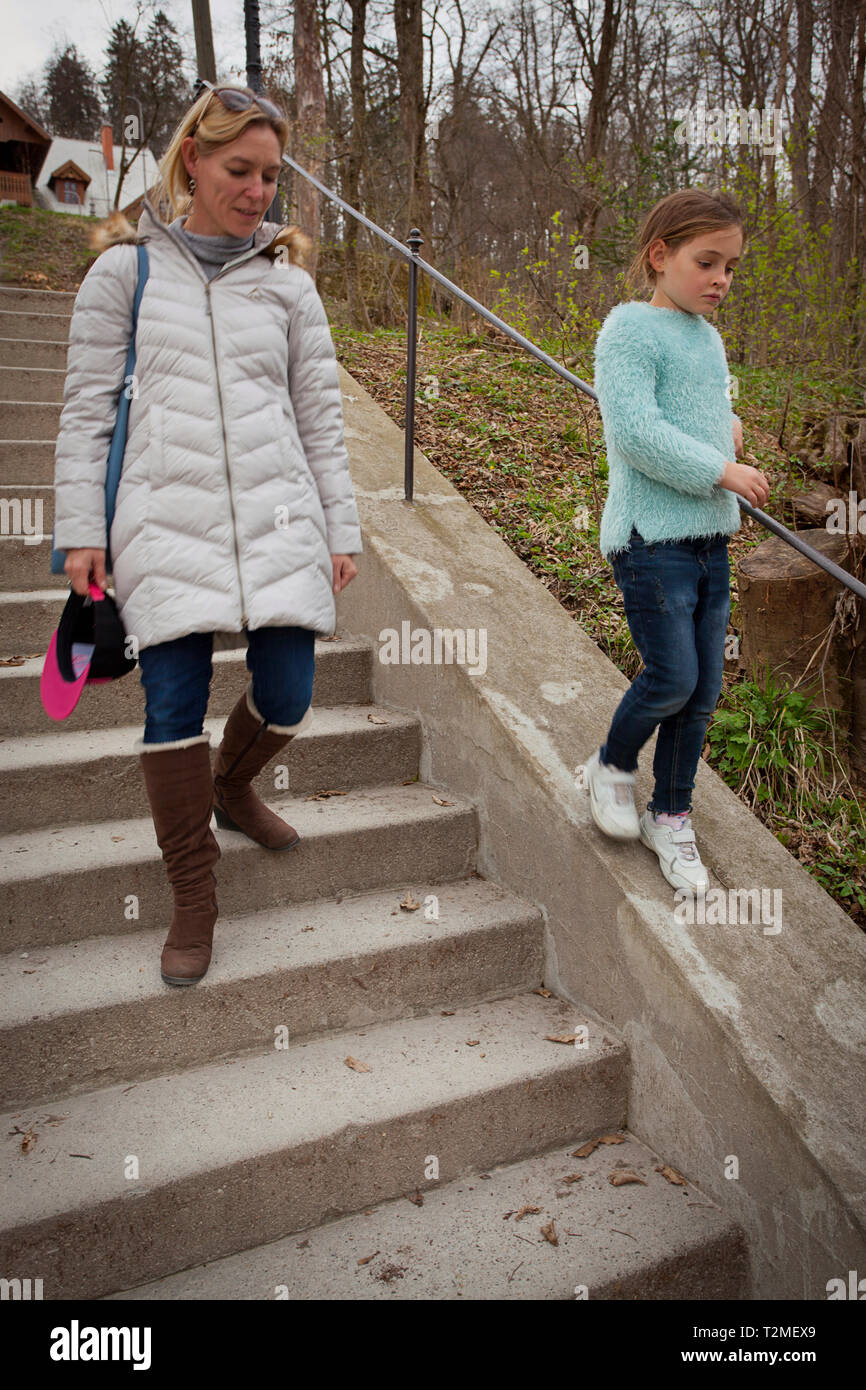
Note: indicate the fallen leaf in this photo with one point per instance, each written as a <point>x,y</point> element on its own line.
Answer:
<point>472,1042</point>
<point>560,1037</point>
<point>672,1175</point>
<point>118,837</point>
<point>623,1176</point>
<point>377,719</point>
<point>440,801</point>
<point>549,1232</point>
<point>408,903</point>
<point>365,1259</point>
<point>356,1065</point>
<point>545,993</point>
<point>572,1177</point>
<point>527,1211</point>
<point>324,794</point>
<point>612,1139</point>
<point>13,661</point>
<point>585,1150</point>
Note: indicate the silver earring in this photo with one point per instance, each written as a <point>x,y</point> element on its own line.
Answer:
<point>191,187</point>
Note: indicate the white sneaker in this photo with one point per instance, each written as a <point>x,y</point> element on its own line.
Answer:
<point>677,853</point>
<point>611,799</point>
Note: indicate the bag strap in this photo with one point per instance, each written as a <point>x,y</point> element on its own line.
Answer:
<point>118,440</point>
<point>143,269</point>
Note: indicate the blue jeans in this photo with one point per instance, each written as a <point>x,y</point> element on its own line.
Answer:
<point>176,677</point>
<point>677,599</point>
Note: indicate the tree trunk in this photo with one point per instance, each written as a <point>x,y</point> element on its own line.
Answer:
<point>311,124</point>
<point>787,607</point>
<point>352,181</point>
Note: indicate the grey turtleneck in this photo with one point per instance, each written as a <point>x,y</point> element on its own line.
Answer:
<point>212,251</point>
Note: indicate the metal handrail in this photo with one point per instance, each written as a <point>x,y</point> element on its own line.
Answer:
<point>410,253</point>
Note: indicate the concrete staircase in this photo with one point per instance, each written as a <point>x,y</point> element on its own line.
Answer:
<point>368,1096</point>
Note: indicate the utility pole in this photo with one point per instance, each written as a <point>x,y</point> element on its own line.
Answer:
<point>254,76</point>
<point>205,61</point>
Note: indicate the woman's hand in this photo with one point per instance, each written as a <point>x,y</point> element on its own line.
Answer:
<point>738,436</point>
<point>345,570</point>
<point>80,563</point>
<point>749,482</point>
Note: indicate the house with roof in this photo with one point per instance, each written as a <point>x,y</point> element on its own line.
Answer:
<point>65,175</point>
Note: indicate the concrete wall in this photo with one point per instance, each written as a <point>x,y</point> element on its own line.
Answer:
<point>747,1045</point>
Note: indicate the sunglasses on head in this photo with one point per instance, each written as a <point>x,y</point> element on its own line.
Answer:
<point>233,99</point>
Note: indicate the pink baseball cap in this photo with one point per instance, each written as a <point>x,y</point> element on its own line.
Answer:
<point>88,648</point>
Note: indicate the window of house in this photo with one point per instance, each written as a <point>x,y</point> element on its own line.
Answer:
<point>70,191</point>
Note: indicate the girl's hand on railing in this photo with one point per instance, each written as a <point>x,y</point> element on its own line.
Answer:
<point>80,563</point>
<point>345,570</point>
<point>749,482</point>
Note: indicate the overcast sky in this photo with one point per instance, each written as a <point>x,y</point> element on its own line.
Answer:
<point>31,30</point>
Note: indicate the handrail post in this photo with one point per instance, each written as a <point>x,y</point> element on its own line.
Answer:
<point>415,242</point>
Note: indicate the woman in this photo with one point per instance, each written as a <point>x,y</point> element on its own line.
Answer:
<point>235,509</point>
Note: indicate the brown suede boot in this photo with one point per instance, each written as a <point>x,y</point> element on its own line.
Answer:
<point>179,786</point>
<point>248,743</point>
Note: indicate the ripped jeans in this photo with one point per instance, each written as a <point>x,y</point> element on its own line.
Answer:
<point>677,601</point>
<point>176,676</point>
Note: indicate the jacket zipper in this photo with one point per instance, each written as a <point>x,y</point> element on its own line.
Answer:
<point>226,454</point>
<point>247,255</point>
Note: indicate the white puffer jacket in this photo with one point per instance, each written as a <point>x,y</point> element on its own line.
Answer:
<point>235,489</point>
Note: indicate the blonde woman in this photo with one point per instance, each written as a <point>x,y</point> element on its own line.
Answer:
<point>235,510</point>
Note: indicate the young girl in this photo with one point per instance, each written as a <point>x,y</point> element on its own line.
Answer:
<point>661,377</point>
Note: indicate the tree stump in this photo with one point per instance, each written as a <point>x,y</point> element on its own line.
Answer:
<point>858,714</point>
<point>786,606</point>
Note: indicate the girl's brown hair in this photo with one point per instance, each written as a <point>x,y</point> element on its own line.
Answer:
<point>676,219</point>
<point>216,126</point>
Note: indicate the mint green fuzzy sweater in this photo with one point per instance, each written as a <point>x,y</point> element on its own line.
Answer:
<point>660,377</point>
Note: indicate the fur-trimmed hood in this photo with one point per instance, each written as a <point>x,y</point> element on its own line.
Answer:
<point>117,229</point>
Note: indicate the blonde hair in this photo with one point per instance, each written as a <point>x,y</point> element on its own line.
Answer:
<point>676,219</point>
<point>217,126</point>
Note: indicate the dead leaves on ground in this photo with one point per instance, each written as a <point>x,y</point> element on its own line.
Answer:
<point>672,1175</point>
<point>30,1134</point>
<point>586,1149</point>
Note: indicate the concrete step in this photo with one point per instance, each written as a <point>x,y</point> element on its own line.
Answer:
<point>33,352</point>
<point>24,383</point>
<point>27,460</point>
<point>343,674</point>
<point>25,565</point>
<point>281,1141</point>
<point>29,419</point>
<point>653,1242</point>
<point>96,1012</point>
<point>69,882</point>
<point>17,300</point>
<point>29,616</point>
<point>25,325</point>
<point>346,746</point>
